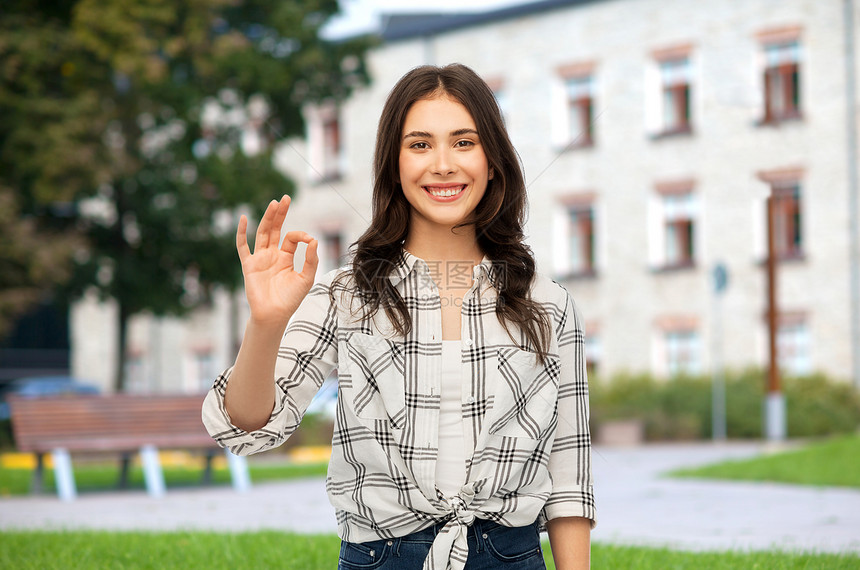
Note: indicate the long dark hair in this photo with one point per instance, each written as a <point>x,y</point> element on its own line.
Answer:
<point>498,218</point>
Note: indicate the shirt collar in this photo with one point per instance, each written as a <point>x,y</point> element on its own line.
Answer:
<point>407,263</point>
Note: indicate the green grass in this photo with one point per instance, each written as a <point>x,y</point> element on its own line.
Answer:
<point>102,477</point>
<point>834,462</point>
<point>269,549</point>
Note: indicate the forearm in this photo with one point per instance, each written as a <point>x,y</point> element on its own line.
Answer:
<point>250,393</point>
<point>570,540</point>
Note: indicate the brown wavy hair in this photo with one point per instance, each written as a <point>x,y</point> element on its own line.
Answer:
<point>498,218</point>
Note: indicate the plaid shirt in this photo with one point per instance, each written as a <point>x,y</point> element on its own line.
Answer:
<point>527,423</point>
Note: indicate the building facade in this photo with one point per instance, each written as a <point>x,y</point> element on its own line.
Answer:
<point>652,133</point>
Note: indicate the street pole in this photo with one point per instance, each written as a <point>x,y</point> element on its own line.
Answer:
<point>774,408</point>
<point>854,226</point>
<point>718,388</point>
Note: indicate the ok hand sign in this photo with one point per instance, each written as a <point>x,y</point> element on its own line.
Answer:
<point>273,287</point>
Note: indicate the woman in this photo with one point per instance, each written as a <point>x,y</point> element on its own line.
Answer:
<point>462,418</point>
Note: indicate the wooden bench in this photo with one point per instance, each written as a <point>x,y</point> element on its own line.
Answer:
<point>124,424</point>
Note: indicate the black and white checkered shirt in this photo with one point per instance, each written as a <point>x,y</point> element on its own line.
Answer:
<point>527,423</point>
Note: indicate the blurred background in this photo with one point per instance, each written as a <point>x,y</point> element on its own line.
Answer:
<point>659,138</point>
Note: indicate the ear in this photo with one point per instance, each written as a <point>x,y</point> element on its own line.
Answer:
<point>492,173</point>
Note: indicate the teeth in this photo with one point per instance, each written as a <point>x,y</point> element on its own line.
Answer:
<point>446,192</point>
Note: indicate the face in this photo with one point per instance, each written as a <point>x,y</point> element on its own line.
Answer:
<point>443,168</point>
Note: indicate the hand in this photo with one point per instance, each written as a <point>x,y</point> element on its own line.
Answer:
<point>272,285</point>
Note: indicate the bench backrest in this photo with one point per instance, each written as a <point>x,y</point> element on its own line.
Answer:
<point>112,422</point>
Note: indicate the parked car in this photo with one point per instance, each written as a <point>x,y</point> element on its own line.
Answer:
<point>40,386</point>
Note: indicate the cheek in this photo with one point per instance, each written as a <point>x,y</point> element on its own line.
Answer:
<point>405,170</point>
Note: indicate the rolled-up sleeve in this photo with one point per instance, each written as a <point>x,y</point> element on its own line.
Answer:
<point>570,458</point>
<point>306,356</point>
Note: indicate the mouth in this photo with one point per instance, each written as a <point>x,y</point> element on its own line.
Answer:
<point>445,192</point>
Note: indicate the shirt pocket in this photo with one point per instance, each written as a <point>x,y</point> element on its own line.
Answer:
<point>376,388</point>
<point>525,399</point>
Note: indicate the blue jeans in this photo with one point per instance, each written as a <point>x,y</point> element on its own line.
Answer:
<point>491,546</point>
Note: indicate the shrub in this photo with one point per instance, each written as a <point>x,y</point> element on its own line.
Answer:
<point>680,408</point>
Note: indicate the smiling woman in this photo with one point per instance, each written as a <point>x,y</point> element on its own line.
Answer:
<point>462,414</point>
<point>443,168</point>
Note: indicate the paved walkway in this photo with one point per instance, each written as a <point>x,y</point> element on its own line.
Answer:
<point>636,505</point>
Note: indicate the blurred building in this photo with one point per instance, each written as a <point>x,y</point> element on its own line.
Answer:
<point>651,133</point>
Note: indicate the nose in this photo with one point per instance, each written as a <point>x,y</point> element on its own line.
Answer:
<point>443,163</point>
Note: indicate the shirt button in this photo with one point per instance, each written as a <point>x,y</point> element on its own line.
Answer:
<point>468,342</point>
<point>471,399</point>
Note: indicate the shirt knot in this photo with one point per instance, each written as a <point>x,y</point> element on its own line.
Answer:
<point>460,504</point>
<point>450,549</point>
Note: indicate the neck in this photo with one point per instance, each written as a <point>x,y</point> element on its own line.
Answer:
<point>444,244</point>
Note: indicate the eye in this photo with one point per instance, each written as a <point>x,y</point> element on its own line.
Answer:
<point>465,143</point>
<point>419,145</point>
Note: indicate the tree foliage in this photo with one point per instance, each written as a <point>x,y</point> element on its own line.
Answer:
<point>131,131</point>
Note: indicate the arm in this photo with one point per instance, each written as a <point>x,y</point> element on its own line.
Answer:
<point>570,540</point>
<point>274,291</point>
<point>304,358</point>
<point>570,511</point>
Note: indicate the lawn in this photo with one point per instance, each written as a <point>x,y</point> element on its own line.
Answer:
<point>832,462</point>
<point>14,481</point>
<point>268,549</point>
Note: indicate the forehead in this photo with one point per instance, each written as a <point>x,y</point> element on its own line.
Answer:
<point>440,113</point>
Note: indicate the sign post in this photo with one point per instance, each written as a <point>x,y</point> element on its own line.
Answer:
<point>718,386</point>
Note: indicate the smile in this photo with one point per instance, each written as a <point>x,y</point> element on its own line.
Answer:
<point>444,192</point>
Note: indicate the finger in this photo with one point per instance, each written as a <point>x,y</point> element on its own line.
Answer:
<point>278,220</point>
<point>312,261</point>
<point>242,239</point>
<point>262,239</point>
<point>292,240</point>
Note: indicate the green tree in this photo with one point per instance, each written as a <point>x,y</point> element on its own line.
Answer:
<point>109,146</point>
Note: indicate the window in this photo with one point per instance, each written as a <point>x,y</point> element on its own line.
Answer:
<point>675,80</point>
<point>781,76</point>
<point>786,192</point>
<point>678,211</point>
<point>793,342</point>
<point>673,243</point>
<point>331,147</point>
<point>580,103</point>
<point>677,346</point>
<point>787,236</point>
<point>581,235</point>
<point>325,143</point>
<point>575,236</point>
<point>136,372</point>
<point>203,369</point>
<point>682,352</point>
<point>573,106</point>
<point>331,250</point>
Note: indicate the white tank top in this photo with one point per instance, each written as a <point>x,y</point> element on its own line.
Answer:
<point>451,463</point>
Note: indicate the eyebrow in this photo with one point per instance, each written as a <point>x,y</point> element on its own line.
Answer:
<point>426,135</point>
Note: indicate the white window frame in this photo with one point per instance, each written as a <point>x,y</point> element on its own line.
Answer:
<point>654,100</point>
<point>560,127</point>
<point>562,259</point>
<point>794,346</point>
<point>660,211</point>
<point>323,165</point>
<point>680,73</point>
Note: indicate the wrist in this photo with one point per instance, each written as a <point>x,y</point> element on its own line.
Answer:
<point>266,327</point>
